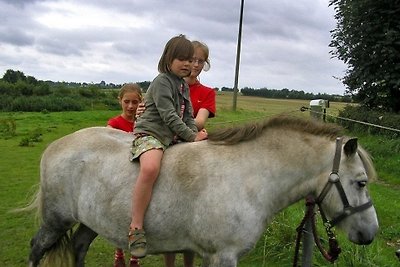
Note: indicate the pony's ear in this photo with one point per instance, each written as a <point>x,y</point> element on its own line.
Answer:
<point>350,148</point>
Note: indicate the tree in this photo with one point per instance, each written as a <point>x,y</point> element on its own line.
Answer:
<point>367,39</point>
<point>12,76</point>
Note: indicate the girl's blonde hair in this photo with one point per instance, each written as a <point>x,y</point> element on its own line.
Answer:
<point>130,88</point>
<point>177,47</point>
<point>206,51</point>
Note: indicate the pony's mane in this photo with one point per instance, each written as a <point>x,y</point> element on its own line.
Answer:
<point>234,135</point>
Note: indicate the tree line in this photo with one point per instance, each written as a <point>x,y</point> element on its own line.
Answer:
<point>22,92</point>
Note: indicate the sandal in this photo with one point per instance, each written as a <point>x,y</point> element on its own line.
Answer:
<point>137,243</point>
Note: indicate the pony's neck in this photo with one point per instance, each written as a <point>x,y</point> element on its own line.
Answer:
<point>307,168</point>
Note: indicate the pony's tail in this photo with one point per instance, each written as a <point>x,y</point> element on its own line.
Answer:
<point>35,203</point>
<point>60,254</point>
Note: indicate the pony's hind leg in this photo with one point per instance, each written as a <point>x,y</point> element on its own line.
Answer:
<point>44,239</point>
<point>81,240</point>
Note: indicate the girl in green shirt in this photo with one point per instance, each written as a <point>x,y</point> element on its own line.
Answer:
<point>167,118</point>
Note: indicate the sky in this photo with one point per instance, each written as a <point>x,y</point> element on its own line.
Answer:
<point>285,43</point>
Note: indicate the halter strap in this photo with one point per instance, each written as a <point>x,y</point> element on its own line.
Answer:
<point>334,176</point>
<point>338,155</point>
<point>334,179</point>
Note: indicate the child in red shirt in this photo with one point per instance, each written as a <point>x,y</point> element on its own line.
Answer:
<point>129,98</point>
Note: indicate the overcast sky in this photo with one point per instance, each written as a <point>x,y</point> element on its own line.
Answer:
<point>285,43</point>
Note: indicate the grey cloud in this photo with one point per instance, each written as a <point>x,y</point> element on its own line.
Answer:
<point>21,3</point>
<point>15,37</point>
<point>59,47</point>
<point>16,26</point>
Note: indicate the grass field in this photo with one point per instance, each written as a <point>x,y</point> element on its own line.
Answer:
<point>19,175</point>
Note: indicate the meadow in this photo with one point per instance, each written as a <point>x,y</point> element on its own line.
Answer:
<point>22,146</point>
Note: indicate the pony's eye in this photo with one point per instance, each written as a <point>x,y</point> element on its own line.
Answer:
<point>361,184</point>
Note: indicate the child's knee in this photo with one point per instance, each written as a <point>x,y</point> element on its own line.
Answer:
<point>150,173</point>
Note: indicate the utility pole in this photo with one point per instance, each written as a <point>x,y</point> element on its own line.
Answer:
<point>235,87</point>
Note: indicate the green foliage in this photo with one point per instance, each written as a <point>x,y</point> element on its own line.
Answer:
<point>373,118</point>
<point>144,85</point>
<point>23,88</point>
<point>7,88</point>
<point>12,76</point>
<point>8,127</point>
<point>34,137</point>
<point>25,93</point>
<point>5,102</point>
<point>41,89</point>
<point>39,103</point>
<point>367,39</point>
<point>90,92</point>
<point>62,90</point>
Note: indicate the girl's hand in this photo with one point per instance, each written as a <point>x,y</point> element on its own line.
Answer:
<point>201,135</point>
<point>140,109</point>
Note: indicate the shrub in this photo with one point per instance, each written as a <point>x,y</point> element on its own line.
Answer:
<point>42,89</point>
<point>34,137</point>
<point>48,103</point>
<point>5,102</point>
<point>8,127</point>
<point>375,119</point>
<point>62,90</point>
<point>24,88</point>
<point>112,104</point>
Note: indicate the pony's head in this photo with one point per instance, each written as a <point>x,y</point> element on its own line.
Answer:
<point>345,201</point>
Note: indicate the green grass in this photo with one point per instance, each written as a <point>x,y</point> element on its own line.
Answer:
<point>19,175</point>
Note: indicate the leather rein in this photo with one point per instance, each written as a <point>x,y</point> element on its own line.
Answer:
<point>334,179</point>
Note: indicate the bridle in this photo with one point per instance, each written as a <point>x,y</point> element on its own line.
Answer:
<point>348,210</point>
<point>334,179</point>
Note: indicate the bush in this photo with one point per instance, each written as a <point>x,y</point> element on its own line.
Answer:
<point>38,104</point>
<point>5,102</point>
<point>372,120</point>
<point>8,127</point>
<point>42,89</point>
<point>24,88</point>
<point>34,137</point>
<point>5,88</point>
<point>112,104</point>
